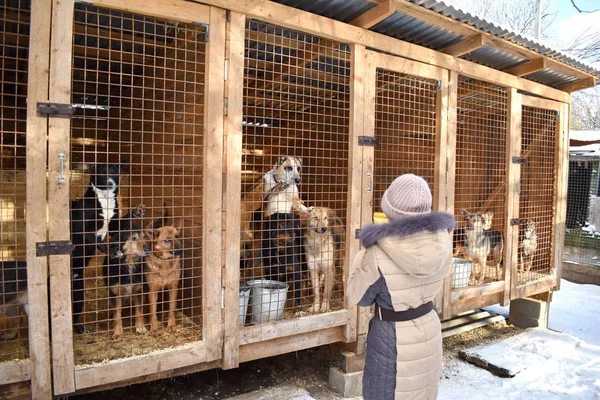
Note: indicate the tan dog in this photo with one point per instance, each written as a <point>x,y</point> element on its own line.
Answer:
<point>163,270</point>
<point>322,243</point>
<point>477,244</point>
<point>527,247</point>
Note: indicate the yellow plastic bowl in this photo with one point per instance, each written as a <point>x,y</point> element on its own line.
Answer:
<point>380,218</point>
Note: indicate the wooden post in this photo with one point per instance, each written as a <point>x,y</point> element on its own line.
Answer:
<point>355,165</point>
<point>368,160</point>
<point>59,133</point>
<point>233,127</point>
<point>440,201</point>
<point>450,178</point>
<point>561,192</point>
<point>37,133</point>
<point>513,174</point>
<point>213,184</point>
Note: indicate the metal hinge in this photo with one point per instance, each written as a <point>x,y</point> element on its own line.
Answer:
<point>367,141</point>
<point>438,85</point>
<point>518,160</point>
<point>356,234</point>
<point>53,247</point>
<point>206,34</point>
<point>518,221</point>
<point>54,110</point>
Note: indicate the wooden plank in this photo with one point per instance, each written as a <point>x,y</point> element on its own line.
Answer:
<point>404,65</point>
<point>537,102</point>
<point>233,126</point>
<point>477,291</point>
<point>471,317</point>
<point>353,214</point>
<point>58,199</point>
<point>578,85</point>
<point>289,344</point>
<point>529,67</point>
<point>513,174</point>
<point>450,179</point>
<point>474,325</point>
<point>471,303</point>
<point>213,178</point>
<point>312,323</point>
<point>307,22</point>
<point>466,46</point>
<point>16,371</point>
<point>37,267</point>
<point>532,288</point>
<point>368,162</point>
<point>139,366</point>
<point>182,11</point>
<point>375,15</point>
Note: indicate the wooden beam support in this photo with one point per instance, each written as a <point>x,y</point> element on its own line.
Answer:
<point>466,46</point>
<point>375,15</point>
<point>528,68</point>
<point>578,85</point>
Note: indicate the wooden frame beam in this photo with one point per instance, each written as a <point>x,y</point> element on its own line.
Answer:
<point>466,46</point>
<point>579,85</point>
<point>375,15</point>
<point>528,68</point>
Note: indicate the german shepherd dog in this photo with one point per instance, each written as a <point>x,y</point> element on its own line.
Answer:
<point>91,218</point>
<point>528,246</point>
<point>323,246</point>
<point>123,270</point>
<point>478,244</point>
<point>163,269</point>
<point>13,295</point>
<point>496,241</point>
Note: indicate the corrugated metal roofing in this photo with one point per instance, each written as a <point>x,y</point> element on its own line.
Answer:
<point>415,31</point>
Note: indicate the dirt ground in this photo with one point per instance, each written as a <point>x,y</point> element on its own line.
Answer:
<point>307,369</point>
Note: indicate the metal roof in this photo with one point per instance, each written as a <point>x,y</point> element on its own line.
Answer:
<point>413,30</point>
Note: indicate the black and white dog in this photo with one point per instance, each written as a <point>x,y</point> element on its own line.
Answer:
<point>91,218</point>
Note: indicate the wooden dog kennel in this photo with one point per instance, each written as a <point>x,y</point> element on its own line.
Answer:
<point>197,100</point>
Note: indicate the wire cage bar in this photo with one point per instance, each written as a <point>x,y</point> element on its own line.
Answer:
<point>538,194</point>
<point>14,53</point>
<point>137,145</point>
<point>405,129</point>
<point>294,173</point>
<point>480,185</point>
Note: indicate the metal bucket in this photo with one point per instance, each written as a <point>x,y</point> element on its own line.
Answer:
<point>267,300</point>
<point>244,297</point>
<point>461,271</point>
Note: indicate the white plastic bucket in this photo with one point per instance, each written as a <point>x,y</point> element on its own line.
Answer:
<point>244,297</point>
<point>461,271</point>
<point>267,300</point>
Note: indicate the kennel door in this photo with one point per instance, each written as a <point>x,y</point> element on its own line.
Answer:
<point>406,107</point>
<point>541,198</point>
<point>146,85</point>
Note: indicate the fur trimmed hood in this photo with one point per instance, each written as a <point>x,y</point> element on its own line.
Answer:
<point>432,222</point>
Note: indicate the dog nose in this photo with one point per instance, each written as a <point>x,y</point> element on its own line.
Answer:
<point>324,229</point>
<point>298,180</point>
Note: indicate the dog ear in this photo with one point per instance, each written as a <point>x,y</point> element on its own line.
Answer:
<point>299,160</point>
<point>281,160</point>
<point>178,227</point>
<point>464,213</point>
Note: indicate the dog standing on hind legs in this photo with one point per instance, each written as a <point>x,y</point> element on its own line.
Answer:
<point>527,247</point>
<point>322,244</point>
<point>163,269</point>
<point>91,218</point>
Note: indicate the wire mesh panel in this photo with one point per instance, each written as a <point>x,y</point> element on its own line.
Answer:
<point>480,184</point>
<point>136,181</point>
<point>538,188</point>
<point>405,126</point>
<point>294,173</point>
<point>14,36</point>
<point>582,240</point>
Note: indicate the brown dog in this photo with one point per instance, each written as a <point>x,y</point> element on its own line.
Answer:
<point>163,270</point>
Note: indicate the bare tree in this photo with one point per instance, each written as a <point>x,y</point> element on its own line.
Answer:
<point>517,16</point>
<point>585,110</point>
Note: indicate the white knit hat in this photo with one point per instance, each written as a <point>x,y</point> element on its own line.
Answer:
<point>408,195</point>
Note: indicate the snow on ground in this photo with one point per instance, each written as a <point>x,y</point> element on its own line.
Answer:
<point>559,366</point>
